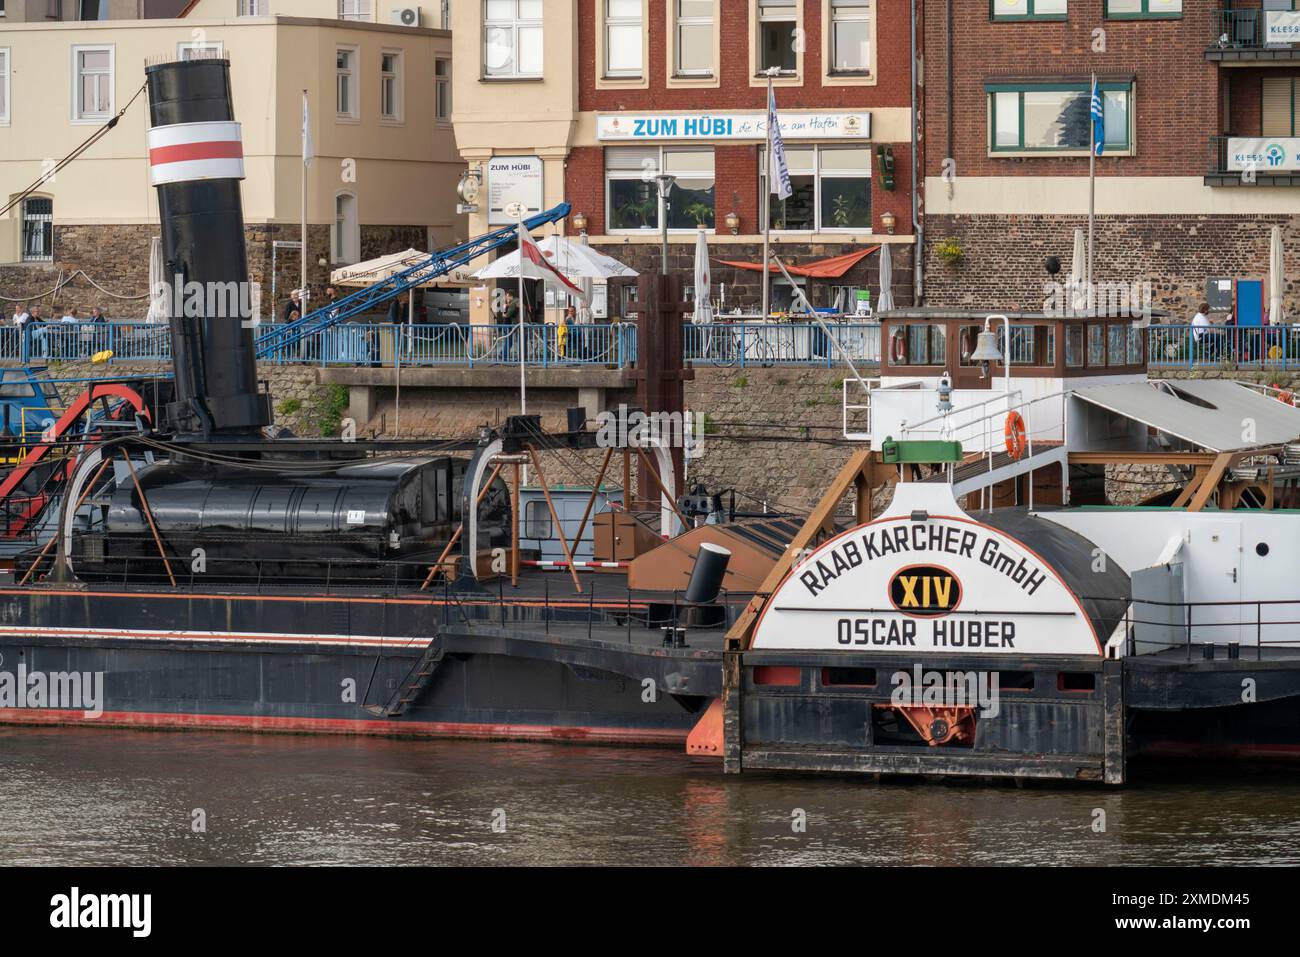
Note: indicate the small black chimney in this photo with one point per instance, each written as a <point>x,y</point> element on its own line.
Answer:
<point>196,161</point>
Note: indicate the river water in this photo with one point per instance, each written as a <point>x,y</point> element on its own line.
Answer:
<point>93,797</point>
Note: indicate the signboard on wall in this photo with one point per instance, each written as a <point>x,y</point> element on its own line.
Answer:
<point>708,127</point>
<point>1264,154</point>
<point>513,179</point>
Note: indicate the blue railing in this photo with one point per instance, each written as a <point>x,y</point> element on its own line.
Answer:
<point>765,344</point>
<point>350,344</point>
<point>719,344</point>
<point>1238,347</point>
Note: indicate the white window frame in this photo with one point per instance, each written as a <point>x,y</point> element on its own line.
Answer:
<point>357,11</point>
<point>353,73</point>
<point>79,117</point>
<point>514,25</point>
<point>345,238</point>
<point>440,84</point>
<point>192,46</point>
<point>398,77</point>
<point>608,21</point>
<point>819,176</point>
<point>639,174</point>
<point>251,8</point>
<point>830,77</point>
<point>675,48</point>
<point>6,77</point>
<point>760,18</point>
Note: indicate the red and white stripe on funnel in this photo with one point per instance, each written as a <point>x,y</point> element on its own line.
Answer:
<point>182,152</point>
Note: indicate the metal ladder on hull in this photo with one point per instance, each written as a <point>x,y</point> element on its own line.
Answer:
<point>415,682</point>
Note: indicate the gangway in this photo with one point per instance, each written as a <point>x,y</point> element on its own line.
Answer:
<point>439,263</point>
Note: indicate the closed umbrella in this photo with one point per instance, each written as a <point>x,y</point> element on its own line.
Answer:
<point>157,290</point>
<point>1275,314</point>
<point>703,280</point>
<point>1075,285</point>
<point>886,301</point>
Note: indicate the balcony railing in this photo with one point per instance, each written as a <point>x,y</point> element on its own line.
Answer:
<point>1234,347</point>
<point>1253,161</point>
<point>1255,34</point>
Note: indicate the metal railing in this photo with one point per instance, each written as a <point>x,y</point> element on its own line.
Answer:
<point>771,343</point>
<point>1248,30</point>
<point>1239,347</point>
<point>78,341</point>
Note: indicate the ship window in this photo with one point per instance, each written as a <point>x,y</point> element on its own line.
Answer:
<point>537,520</point>
<point>1076,681</point>
<point>1096,344</point>
<point>1016,680</point>
<point>1074,346</point>
<point>849,677</point>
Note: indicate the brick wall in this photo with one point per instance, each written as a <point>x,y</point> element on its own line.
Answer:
<point>1177,103</point>
<point>1002,261</point>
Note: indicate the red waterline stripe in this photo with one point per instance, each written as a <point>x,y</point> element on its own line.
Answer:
<point>440,729</point>
<point>182,152</point>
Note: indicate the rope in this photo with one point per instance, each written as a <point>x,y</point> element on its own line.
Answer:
<point>61,282</point>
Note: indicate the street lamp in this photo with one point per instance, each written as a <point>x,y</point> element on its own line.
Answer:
<point>580,223</point>
<point>664,181</point>
<point>733,223</point>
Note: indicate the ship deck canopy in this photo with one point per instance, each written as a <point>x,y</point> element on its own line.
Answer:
<point>1208,413</point>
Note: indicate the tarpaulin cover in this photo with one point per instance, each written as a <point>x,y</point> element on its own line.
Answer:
<point>832,268</point>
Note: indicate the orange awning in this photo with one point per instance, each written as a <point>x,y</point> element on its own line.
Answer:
<point>832,268</point>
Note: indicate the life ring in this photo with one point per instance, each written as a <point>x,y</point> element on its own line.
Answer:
<point>1014,431</point>
<point>897,348</point>
<point>1287,397</point>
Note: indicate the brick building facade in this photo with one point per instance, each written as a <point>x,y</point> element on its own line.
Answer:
<point>1188,88</point>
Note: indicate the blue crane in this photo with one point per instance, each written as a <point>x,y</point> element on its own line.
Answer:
<point>439,263</point>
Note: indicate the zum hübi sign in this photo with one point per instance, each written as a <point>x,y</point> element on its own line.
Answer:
<point>944,585</point>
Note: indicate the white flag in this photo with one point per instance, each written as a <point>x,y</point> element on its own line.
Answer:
<point>308,150</point>
<point>780,178</point>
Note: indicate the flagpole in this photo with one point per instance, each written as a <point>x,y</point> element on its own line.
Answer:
<point>1092,183</point>
<point>523,385</point>
<point>767,203</point>
<point>302,277</point>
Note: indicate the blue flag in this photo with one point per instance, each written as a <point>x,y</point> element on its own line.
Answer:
<point>780,179</point>
<point>1098,121</point>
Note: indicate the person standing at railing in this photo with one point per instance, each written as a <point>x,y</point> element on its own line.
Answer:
<point>294,304</point>
<point>508,315</point>
<point>562,331</point>
<point>1200,326</point>
<point>35,330</point>
<point>21,316</point>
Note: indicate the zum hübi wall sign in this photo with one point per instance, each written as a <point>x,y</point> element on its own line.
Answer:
<point>944,584</point>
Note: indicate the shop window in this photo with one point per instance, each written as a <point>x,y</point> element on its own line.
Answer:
<point>1143,9</point>
<point>831,190</point>
<point>632,197</point>
<point>778,26</point>
<point>1056,118</point>
<point>624,39</point>
<point>512,31</point>
<point>1028,9</point>
<point>694,35</point>
<point>850,36</point>
<point>38,229</point>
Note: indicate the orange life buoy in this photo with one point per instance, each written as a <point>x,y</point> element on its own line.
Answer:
<point>1287,397</point>
<point>897,347</point>
<point>1014,431</point>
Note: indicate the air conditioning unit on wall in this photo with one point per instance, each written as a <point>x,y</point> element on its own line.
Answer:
<point>406,16</point>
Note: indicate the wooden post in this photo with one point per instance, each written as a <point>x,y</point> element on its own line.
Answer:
<point>514,528</point>
<point>559,529</point>
<point>148,514</point>
<point>595,490</point>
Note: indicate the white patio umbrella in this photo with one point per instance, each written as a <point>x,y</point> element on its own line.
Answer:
<point>886,300</point>
<point>703,280</point>
<point>375,270</point>
<point>1075,286</point>
<point>1275,278</point>
<point>574,259</point>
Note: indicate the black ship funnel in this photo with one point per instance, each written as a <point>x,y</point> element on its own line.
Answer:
<point>196,161</point>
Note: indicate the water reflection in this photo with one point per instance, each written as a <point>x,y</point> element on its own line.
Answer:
<point>72,796</point>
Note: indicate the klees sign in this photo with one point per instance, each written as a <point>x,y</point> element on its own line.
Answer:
<point>650,127</point>
<point>1277,154</point>
<point>948,584</point>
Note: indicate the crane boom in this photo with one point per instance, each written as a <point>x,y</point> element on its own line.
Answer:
<point>439,263</point>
